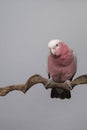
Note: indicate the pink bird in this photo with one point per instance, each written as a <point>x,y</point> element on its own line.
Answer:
<point>62,66</point>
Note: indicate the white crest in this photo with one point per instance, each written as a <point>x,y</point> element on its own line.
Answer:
<point>52,43</point>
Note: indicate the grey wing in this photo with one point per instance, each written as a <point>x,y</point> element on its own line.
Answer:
<point>75,56</point>
<point>49,76</point>
<point>48,73</point>
<point>75,59</point>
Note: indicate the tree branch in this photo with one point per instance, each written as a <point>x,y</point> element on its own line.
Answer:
<point>35,79</point>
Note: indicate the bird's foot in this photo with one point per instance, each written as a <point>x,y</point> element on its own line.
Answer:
<point>49,82</point>
<point>68,82</point>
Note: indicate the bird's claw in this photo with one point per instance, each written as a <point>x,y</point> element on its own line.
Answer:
<point>69,84</point>
<point>49,82</point>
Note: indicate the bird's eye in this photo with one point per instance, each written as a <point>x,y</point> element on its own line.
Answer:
<point>56,44</point>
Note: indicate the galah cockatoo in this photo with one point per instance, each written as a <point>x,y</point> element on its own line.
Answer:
<point>62,67</point>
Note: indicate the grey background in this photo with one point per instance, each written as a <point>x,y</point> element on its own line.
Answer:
<point>25,30</point>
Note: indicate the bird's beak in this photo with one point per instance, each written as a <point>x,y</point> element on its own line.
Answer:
<point>53,51</point>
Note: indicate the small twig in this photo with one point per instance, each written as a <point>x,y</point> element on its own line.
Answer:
<point>35,79</point>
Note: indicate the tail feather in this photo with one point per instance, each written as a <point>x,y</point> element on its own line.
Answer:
<point>60,93</point>
<point>54,93</point>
